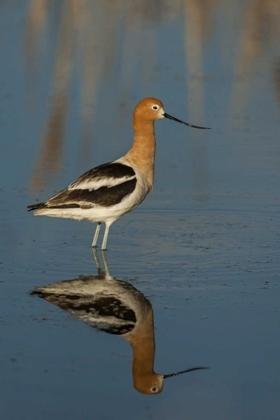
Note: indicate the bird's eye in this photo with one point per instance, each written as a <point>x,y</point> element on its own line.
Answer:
<point>155,107</point>
<point>154,388</point>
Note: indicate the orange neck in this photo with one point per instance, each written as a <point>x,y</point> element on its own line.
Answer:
<point>142,342</point>
<point>142,152</point>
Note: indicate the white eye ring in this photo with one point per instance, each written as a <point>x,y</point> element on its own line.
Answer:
<point>155,107</point>
<point>154,388</point>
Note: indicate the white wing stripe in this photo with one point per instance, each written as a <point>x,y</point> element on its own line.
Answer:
<point>95,184</point>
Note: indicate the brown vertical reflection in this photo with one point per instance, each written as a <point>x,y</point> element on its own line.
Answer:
<point>196,27</point>
<point>261,22</point>
<point>138,49</point>
<point>36,22</point>
<point>250,45</point>
<point>277,79</point>
<point>98,25</point>
<point>51,144</point>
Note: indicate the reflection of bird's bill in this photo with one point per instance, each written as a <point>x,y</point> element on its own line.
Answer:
<point>184,371</point>
<point>182,122</point>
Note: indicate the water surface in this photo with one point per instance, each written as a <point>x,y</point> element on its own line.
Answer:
<point>204,246</point>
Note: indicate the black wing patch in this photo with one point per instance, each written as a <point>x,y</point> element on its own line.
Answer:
<point>104,196</point>
<point>107,170</point>
<point>85,198</point>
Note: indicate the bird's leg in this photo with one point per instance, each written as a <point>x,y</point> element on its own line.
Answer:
<point>105,237</point>
<point>105,262</point>
<point>95,238</point>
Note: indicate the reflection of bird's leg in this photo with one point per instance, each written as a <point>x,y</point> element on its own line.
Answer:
<point>105,262</point>
<point>97,261</point>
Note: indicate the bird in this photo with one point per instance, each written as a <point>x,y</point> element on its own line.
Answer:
<point>108,191</point>
<point>115,307</point>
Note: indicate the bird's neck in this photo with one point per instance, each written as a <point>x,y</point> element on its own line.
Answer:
<point>142,342</point>
<point>142,152</point>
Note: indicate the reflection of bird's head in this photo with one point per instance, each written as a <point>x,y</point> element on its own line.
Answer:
<point>149,384</point>
<point>152,383</point>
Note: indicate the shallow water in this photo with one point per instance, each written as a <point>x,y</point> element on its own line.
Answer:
<point>204,246</point>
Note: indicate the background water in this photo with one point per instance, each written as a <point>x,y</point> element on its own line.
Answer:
<point>203,247</point>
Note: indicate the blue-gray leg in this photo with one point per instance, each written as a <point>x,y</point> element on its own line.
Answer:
<point>106,233</point>
<point>95,238</point>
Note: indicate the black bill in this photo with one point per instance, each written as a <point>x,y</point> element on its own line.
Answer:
<point>182,122</point>
<point>184,371</point>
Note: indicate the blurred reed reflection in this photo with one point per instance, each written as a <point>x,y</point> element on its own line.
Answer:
<point>259,28</point>
<point>105,49</point>
<point>116,307</point>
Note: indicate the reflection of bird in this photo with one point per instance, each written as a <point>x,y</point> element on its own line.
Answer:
<point>115,307</point>
<point>105,193</point>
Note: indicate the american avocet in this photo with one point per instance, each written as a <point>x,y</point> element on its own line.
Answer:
<point>115,307</point>
<point>105,193</point>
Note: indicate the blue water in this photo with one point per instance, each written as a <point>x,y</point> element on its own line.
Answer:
<point>203,247</point>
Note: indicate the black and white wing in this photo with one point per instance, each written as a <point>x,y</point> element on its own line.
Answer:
<point>106,313</point>
<point>95,301</point>
<point>106,185</point>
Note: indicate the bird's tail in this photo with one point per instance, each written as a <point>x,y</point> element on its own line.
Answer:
<point>36,206</point>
